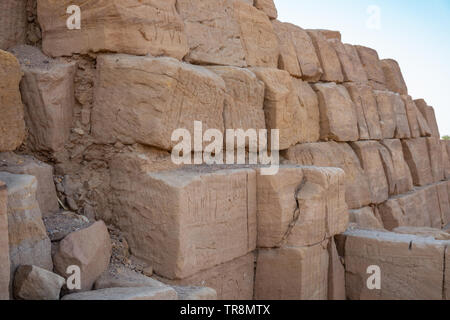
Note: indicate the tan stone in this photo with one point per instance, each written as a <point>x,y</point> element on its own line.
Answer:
<point>268,7</point>
<point>4,244</point>
<point>13,23</point>
<point>429,115</point>
<point>418,160</point>
<point>340,155</point>
<point>365,218</point>
<point>328,57</point>
<point>184,221</point>
<point>446,158</point>
<point>195,293</point>
<point>338,119</point>
<point>403,130</point>
<point>34,283</point>
<point>288,59</point>
<point>387,115</point>
<point>228,32</point>
<point>309,127</point>
<point>143,293</point>
<point>331,34</point>
<point>300,206</point>
<point>132,26</point>
<point>48,96</point>
<point>372,65</point>
<point>367,111</point>
<point>447,274</point>
<point>432,207</point>
<point>393,76</point>
<point>336,274</point>
<point>436,158</point>
<point>412,267</point>
<point>352,68</point>
<point>12,124</point>
<point>152,98</point>
<point>46,192</point>
<point>426,232</point>
<point>89,249</point>
<point>398,174</point>
<point>125,278</point>
<point>292,273</point>
<point>444,202</point>
<point>232,280</point>
<point>417,123</point>
<point>369,156</point>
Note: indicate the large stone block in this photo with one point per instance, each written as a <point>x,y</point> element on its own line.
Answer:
<point>336,274</point>
<point>144,99</point>
<point>292,273</point>
<point>309,127</point>
<point>387,115</point>
<point>34,283</point>
<point>444,202</point>
<point>331,34</point>
<point>28,240</point>
<point>365,218</point>
<point>4,244</point>
<point>268,7</point>
<point>300,206</point>
<point>432,207</point>
<point>48,95</point>
<point>228,32</point>
<point>393,76</point>
<point>340,155</point>
<point>131,26</point>
<point>366,110</point>
<point>418,160</point>
<point>46,192</point>
<point>328,57</point>
<point>372,65</point>
<point>429,115</point>
<point>417,123</point>
<point>12,124</point>
<point>352,68</point>
<point>288,59</point>
<point>446,158</point>
<point>436,158</point>
<point>412,267</point>
<point>184,221</point>
<point>13,23</point>
<point>338,120</point>
<point>370,158</point>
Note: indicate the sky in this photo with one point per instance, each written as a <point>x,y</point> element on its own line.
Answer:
<point>416,33</point>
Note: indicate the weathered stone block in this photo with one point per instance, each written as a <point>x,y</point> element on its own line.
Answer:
<point>288,59</point>
<point>436,158</point>
<point>34,283</point>
<point>13,23</point>
<point>444,202</point>
<point>268,7</point>
<point>365,218</point>
<point>418,160</point>
<point>352,68</point>
<point>336,274</point>
<point>372,65</point>
<point>309,127</point>
<point>124,294</point>
<point>429,115</point>
<point>387,115</point>
<point>4,244</point>
<point>393,76</point>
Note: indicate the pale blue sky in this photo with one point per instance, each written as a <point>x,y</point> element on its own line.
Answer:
<point>416,33</point>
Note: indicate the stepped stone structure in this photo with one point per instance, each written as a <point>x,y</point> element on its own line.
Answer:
<point>89,129</point>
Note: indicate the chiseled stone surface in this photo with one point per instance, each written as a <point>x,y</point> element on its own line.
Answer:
<point>4,244</point>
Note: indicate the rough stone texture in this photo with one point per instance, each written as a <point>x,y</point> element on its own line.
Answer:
<point>372,65</point>
<point>268,6</point>
<point>412,268</point>
<point>336,274</point>
<point>228,32</point>
<point>340,155</point>
<point>232,280</point>
<point>446,158</point>
<point>28,240</point>
<point>432,207</point>
<point>338,120</point>
<point>366,110</point>
<point>369,156</point>
<point>34,283</point>
<point>125,278</point>
<point>447,273</point>
<point>328,57</point>
<point>153,97</point>
<point>288,59</point>
<point>132,26</point>
<point>393,76</point>
<point>12,124</point>
<point>444,202</point>
<point>309,127</point>
<point>4,245</point>
<point>365,218</point>
<point>291,273</point>
<point>300,206</point>
<point>89,249</point>
<point>352,68</point>
<point>429,115</point>
<point>331,34</point>
<point>436,158</point>
<point>184,221</point>
<point>418,160</point>
<point>282,107</point>
<point>425,232</point>
<point>417,123</point>
<point>48,95</point>
<point>46,192</point>
<point>395,167</point>
<point>388,117</point>
<point>13,23</point>
<point>143,293</point>
<point>195,293</point>
<point>60,225</point>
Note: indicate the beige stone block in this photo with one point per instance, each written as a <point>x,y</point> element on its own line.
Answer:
<point>429,115</point>
<point>4,244</point>
<point>393,76</point>
<point>365,218</point>
<point>268,7</point>
<point>13,23</point>
<point>418,160</point>
<point>372,65</point>
<point>336,274</point>
<point>352,68</point>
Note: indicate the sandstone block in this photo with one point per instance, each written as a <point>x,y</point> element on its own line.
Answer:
<point>328,57</point>
<point>12,124</point>
<point>432,207</point>
<point>411,267</point>
<point>336,274</point>
<point>309,127</point>
<point>444,202</point>
<point>401,116</point>
<point>365,218</point>
<point>388,117</point>
<point>352,68</point>
<point>425,232</point>
<point>152,98</point>
<point>368,154</point>
<point>447,274</point>
<point>184,221</point>
<point>436,158</point>
<point>143,293</point>
<point>34,283</point>
<point>228,32</point>
<point>292,273</point>
<point>338,119</point>
<point>372,65</point>
<point>46,192</point>
<point>48,95</point>
<point>89,249</point>
<point>125,278</point>
<point>4,244</point>
<point>195,293</point>
<point>13,23</point>
<point>418,160</point>
<point>288,59</point>
<point>268,7</point>
<point>393,76</point>
<point>446,158</point>
<point>331,34</point>
<point>132,26</point>
<point>429,115</point>
<point>28,240</point>
<point>417,123</point>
